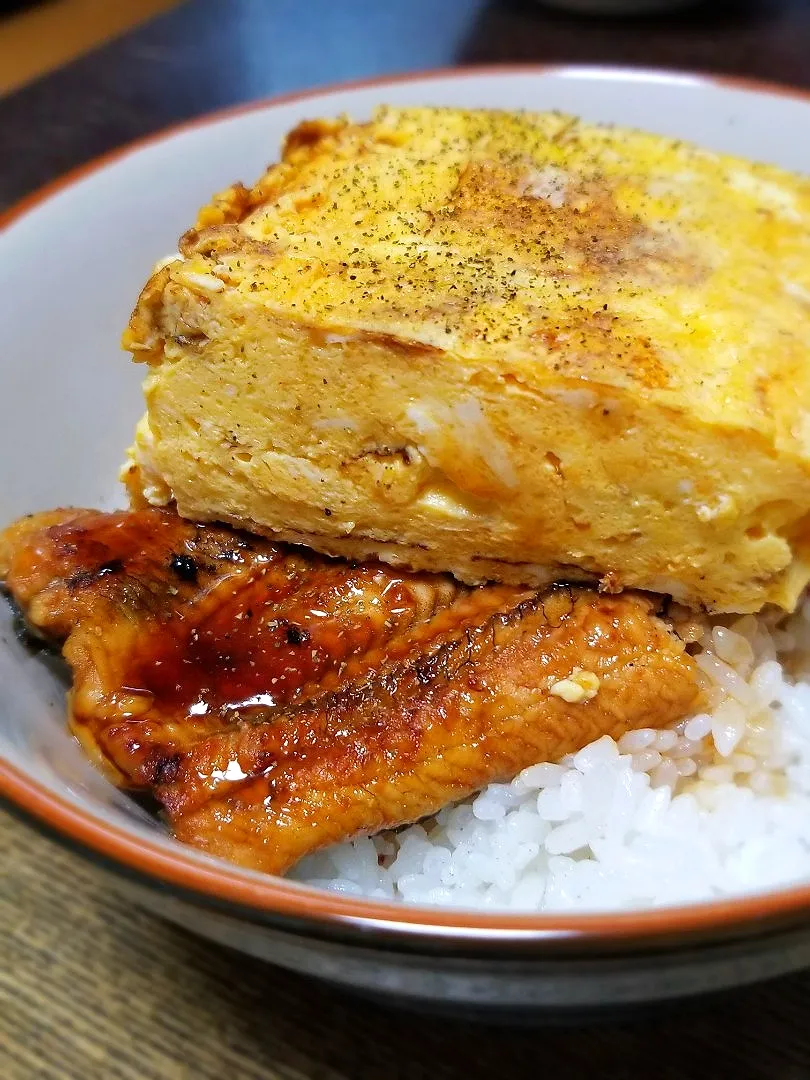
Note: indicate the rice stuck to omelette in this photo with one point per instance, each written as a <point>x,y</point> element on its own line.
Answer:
<point>717,806</point>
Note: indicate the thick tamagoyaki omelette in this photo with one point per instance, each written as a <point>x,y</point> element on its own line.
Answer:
<point>513,346</point>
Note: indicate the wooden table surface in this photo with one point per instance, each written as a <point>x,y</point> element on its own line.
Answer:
<point>91,988</point>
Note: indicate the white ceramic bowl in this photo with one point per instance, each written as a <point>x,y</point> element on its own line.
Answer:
<point>74,258</point>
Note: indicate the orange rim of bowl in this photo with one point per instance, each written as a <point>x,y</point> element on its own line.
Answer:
<point>216,880</point>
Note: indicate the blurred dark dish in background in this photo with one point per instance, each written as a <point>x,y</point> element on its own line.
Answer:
<point>206,54</point>
<point>617,7</point>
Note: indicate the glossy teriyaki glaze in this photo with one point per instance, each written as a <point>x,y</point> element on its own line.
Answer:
<point>276,701</point>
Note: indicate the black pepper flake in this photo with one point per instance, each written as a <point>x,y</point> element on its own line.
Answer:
<point>184,567</point>
<point>112,566</point>
<point>165,769</point>
<point>296,635</point>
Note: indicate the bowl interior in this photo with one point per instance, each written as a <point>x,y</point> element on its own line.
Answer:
<point>69,398</point>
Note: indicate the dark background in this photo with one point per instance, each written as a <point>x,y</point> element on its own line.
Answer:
<point>92,989</point>
<point>210,53</point>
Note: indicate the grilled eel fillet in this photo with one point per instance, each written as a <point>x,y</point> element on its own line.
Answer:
<point>275,701</point>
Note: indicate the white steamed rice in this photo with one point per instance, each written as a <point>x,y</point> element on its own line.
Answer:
<point>717,806</point>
